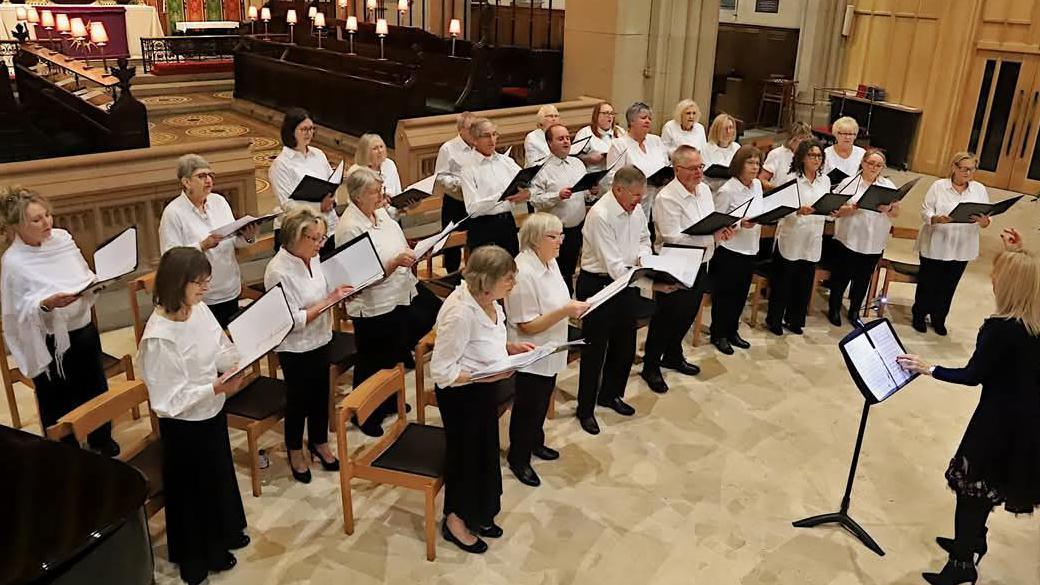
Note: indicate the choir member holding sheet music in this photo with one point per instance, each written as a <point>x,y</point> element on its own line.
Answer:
<point>47,323</point>
<point>860,236</point>
<point>680,204</point>
<point>484,182</point>
<point>776,170</point>
<point>182,350</point>
<point>471,336</point>
<point>639,148</point>
<point>597,137</point>
<point>684,128</point>
<point>537,310</point>
<point>304,354</point>
<point>722,145</point>
<point>998,460</point>
<point>536,145</point>
<point>734,260</point>
<point>551,192</point>
<point>371,154</point>
<point>945,247</point>
<point>191,218</point>
<point>799,242</point>
<point>843,155</point>
<point>451,158</point>
<point>297,160</point>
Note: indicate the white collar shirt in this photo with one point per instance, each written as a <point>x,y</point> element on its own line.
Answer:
<point>677,209</point>
<point>800,237</point>
<point>388,172</point>
<point>778,162</point>
<point>649,158</point>
<point>484,181</point>
<point>183,224</point>
<point>303,287</point>
<point>714,154</point>
<point>950,241</point>
<point>286,172</point>
<point>452,157</point>
<point>536,149</point>
<point>732,198</point>
<point>674,136</point>
<point>864,231</point>
<point>399,286</point>
<point>467,339</point>
<point>539,289</point>
<point>849,166</point>
<point>614,240</point>
<point>557,174</point>
<point>597,144</point>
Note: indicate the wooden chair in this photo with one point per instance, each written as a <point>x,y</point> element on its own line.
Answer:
<point>145,455</point>
<point>895,271</point>
<point>443,285</point>
<point>409,455</point>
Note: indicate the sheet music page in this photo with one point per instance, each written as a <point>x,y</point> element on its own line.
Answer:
<point>888,348</point>
<point>579,146</point>
<point>425,185</point>
<point>608,292</point>
<point>870,367</point>
<point>355,265</point>
<point>337,175</point>
<point>225,231</point>
<point>117,257</point>
<point>522,360</point>
<point>431,243</point>
<point>682,263</point>
<point>258,329</point>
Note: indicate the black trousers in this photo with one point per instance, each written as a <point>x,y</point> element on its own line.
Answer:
<point>382,342</point>
<point>790,288</point>
<point>452,210</point>
<point>610,336</point>
<point>936,283</point>
<point>570,250</point>
<point>499,230</point>
<point>472,472</point>
<point>731,274</point>
<point>307,376</point>
<point>969,523</point>
<point>84,379</point>
<point>854,267</point>
<point>530,405</point>
<point>223,312</point>
<point>675,313</point>
<point>203,505</point>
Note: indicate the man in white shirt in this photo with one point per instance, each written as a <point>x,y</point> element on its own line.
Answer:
<point>679,205</point>
<point>615,238</point>
<point>551,192</point>
<point>536,147</point>
<point>484,181</point>
<point>452,156</point>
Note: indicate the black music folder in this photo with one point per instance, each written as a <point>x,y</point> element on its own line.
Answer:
<point>963,212</point>
<point>661,176</point>
<point>829,203</point>
<point>780,188</point>
<point>592,178</point>
<point>870,354</point>
<point>774,215</point>
<point>313,189</point>
<point>876,195</point>
<point>717,171</point>
<point>711,223</point>
<point>522,180</point>
<point>414,193</point>
<point>837,175</point>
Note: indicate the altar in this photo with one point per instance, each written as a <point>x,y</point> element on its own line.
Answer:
<point>138,21</point>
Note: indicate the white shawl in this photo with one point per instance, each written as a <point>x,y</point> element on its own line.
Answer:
<point>28,275</point>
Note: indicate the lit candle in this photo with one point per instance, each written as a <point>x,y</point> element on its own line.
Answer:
<point>21,14</point>
<point>290,16</point>
<point>351,24</point>
<point>63,24</point>
<point>455,27</point>
<point>265,14</point>
<point>34,17</point>
<point>98,34</point>
<point>402,6</point>
<point>77,29</point>
<point>47,19</point>
<point>319,20</point>
<point>381,28</point>
<point>252,14</point>
<point>312,12</point>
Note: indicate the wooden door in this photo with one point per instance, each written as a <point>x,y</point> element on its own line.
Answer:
<point>1025,174</point>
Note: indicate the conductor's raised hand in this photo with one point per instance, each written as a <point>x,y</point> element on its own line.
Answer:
<point>1012,239</point>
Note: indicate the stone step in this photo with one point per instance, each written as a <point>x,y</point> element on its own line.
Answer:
<point>181,87</point>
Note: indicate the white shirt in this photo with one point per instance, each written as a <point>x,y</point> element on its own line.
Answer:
<point>778,162</point>
<point>613,239</point>
<point>714,154</point>
<point>399,286</point>
<point>182,224</point>
<point>731,198</point>
<point>850,166</point>
<point>649,161</point>
<point>388,171</point>
<point>539,289</point>
<point>598,145</point>
<point>536,149</point>
<point>452,157</point>
<point>674,136</point>
<point>484,181</point>
<point>179,362</point>
<point>303,288</point>
<point>864,231</point>
<point>467,340</point>
<point>677,209</point>
<point>286,172</point>
<point>951,241</point>
<point>560,173</point>
<point>800,237</point>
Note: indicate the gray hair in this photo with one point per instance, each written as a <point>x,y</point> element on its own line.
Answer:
<point>683,153</point>
<point>635,110</point>
<point>188,164</point>
<point>629,176</point>
<point>486,266</point>
<point>461,119</point>
<point>297,220</point>
<point>359,180</point>
<point>363,152</point>
<point>481,126</point>
<point>536,226</point>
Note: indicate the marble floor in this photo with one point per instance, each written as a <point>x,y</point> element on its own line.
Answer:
<point>700,486</point>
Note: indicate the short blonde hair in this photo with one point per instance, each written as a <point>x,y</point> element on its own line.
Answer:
<point>363,153</point>
<point>798,131</point>
<point>1016,286</point>
<point>359,180</point>
<point>295,222</point>
<point>14,202</point>
<point>960,157</point>
<point>546,110</point>
<point>845,124</point>
<point>535,227</point>
<point>486,266</point>
<point>715,132</point>
<point>684,105</point>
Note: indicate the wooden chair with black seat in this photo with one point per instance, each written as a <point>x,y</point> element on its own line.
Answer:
<point>409,455</point>
<point>145,455</point>
<point>895,271</point>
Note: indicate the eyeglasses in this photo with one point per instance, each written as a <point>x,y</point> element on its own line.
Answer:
<point>205,176</point>
<point>814,155</point>
<point>699,167</point>
<point>306,128</point>
<point>317,239</point>
<point>607,114</point>
<point>204,283</point>
<point>874,165</point>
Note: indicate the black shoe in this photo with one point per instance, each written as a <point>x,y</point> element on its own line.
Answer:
<point>619,406</point>
<point>834,316</point>
<point>853,316</point>
<point>954,573</point>
<point>326,465</point>
<point>737,341</point>
<point>978,550</point>
<point>589,424</point>
<point>493,531</point>
<point>940,328</point>
<point>919,326</point>
<point>546,453</point>
<point>225,564</point>
<point>682,366</point>
<point>240,541</point>
<point>653,378</point>
<point>109,448</point>
<point>478,547</point>
<point>300,476</point>
<point>722,344</point>
<point>775,329</point>
<point>526,475</point>
<point>796,329</point>
<point>372,427</point>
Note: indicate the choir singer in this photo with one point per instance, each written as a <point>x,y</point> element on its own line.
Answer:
<point>484,181</point>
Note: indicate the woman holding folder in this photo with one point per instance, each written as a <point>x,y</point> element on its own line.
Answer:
<point>304,353</point>
<point>599,134</point>
<point>182,351</point>
<point>47,325</point>
<point>641,149</point>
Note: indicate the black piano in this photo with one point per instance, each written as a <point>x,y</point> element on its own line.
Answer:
<point>68,516</point>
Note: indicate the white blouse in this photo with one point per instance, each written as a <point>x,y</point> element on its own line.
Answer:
<point>484,181</point>
<point>399,286</point>
<point>950,241</point>
<point>652,156</point>
<point>674,136</point>
<point>778,162</point>
<point>598,144</point>
<point>849,166</point>
<point>452,157</point>
<point>182,224</point>
<point>539,289</point>
<point>560,173</point>
<point>536,149</point>
<point>800,237</point>
<point>467,340</point>
<point>716,155</point>
<point>677,209</point>
<point>303,287</point>
<point>286,172</point>
<point>731,198</point>
<point>388,171</point>
<point>180,361</point>
<point>864,231</point>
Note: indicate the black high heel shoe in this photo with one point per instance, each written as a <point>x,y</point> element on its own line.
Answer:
<point>979,550</point>
<point>326,465</point>
<point>478,547</point>
<point>954,573</point>
<point>300,476</point>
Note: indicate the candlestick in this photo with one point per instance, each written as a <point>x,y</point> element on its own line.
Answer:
<point>319,23</point>
<point>382,30</point>
<point>265,15</point>
<point>351,31</point>
<point>99,36</point>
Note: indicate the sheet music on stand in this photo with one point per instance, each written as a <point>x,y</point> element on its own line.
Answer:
<point>113,259</point>
<point>259,328</point>
<point>870,353</point>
